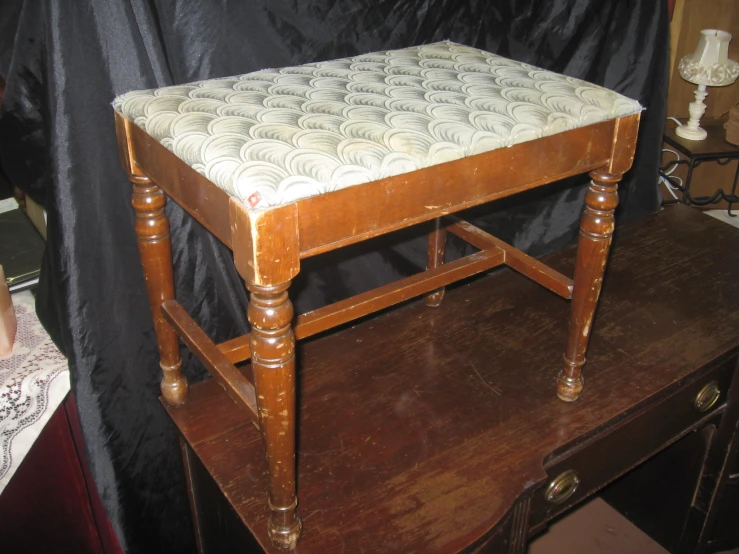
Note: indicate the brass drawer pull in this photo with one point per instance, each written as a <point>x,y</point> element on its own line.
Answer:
<point>562,487</point>
<point>707,397</point>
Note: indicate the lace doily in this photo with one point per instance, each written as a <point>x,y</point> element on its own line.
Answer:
<point>34,379</point>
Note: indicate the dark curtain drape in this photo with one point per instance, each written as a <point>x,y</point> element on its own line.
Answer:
<point>57,142</point>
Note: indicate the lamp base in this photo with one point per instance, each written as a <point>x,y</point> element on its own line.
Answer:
<point>691,130</point>
<point>690,133</point>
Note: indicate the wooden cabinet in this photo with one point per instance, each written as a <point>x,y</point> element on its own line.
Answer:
<point>436,430</point>
<point>51,503</point>
<point>688,483</point>
<point>608,455</point>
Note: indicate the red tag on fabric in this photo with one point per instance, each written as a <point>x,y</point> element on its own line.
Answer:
<point>253,200</point>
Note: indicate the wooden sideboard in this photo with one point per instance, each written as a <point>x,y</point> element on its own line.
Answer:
<point>437,429</point>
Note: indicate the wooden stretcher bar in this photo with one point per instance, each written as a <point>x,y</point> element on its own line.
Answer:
<point>236,385</point>
<point>344,311</point>
<point>514,258</point>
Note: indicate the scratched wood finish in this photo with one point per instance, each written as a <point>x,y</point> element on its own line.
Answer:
<point>364,211</point>
<point>420,429</point>
<point>152,231</point>
<point>268,251</point>
<point>270,314</point>
<point>268,246</point>
<point>596,230</point>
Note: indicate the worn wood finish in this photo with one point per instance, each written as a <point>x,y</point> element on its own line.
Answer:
<point>236,385</point>
<point>513,258</point>
<point>268,243</point>
<point>623,146</point>
<point>268,246</point>
<point>436,250</point>
<point>355,307</point>
<point>634,439</point>
<point>152,230</point>
<point>690,484</point>
<point>347,216</point>
<point>425,443</point>
<point>596,231</point>
<point>273,362</point>
<point>267,257</point>
<point>357,213</point>
<point>203,200</point>
<point>124,144</point>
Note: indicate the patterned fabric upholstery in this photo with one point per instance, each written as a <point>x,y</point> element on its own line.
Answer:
<point>279,135</point>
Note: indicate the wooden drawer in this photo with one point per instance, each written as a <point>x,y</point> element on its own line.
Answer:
<point>593,464</point>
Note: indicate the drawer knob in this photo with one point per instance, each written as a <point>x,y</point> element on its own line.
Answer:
<point>562,487</point>
<point>707,397</point>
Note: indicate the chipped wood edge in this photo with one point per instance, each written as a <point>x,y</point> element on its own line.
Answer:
<point>624,144</point>
<point>265,243</point>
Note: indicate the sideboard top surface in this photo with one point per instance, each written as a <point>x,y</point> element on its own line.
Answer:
<point>419,429</point>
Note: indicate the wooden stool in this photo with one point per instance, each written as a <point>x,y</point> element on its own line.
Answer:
<point>285,164</point>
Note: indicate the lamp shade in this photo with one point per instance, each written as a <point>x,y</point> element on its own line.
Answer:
<point>710,64</point>
<point>713,47</point>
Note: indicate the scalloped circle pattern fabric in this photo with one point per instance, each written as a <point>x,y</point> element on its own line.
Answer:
<point>275,136</point>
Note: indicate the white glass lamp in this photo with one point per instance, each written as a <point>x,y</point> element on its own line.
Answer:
<point>709,66</point>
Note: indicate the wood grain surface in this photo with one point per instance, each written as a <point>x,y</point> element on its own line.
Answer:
<point>420,428</point>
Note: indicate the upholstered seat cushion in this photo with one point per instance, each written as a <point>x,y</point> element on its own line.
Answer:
<point>279,135</point>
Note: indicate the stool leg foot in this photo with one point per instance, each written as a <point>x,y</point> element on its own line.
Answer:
<point>570,386</point>
<point>273,361</point>
<point>436,250</point>
<point>152,230</point>
<point>596,231</point>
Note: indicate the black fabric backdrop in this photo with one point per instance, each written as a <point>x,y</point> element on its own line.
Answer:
<point>57,142</point>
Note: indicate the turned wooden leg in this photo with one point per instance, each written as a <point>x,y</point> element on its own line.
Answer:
<point>437,247</point>
<point>596,230</point>
<point>152,230</point>
<point>273,361</point>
